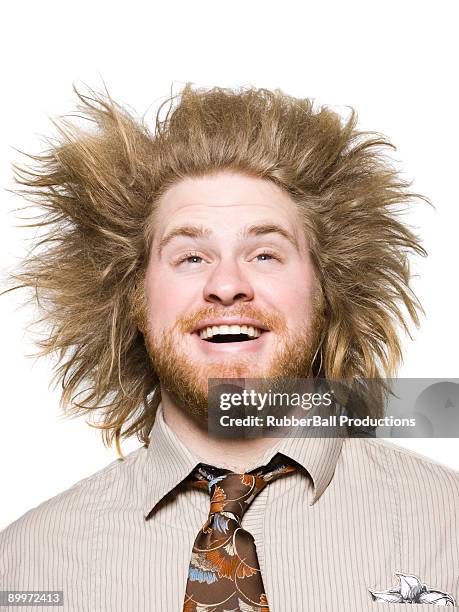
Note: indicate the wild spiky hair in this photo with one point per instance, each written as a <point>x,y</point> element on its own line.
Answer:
<point>98,190</point>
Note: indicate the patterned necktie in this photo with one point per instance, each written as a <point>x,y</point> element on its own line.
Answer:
<point>224,573</point>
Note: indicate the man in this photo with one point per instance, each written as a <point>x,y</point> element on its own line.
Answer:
<point>251,236</point>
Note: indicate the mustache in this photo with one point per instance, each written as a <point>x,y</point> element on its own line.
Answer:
<point>274,321</point>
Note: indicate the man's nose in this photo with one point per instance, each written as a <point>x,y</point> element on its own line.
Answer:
<point>228,284</point>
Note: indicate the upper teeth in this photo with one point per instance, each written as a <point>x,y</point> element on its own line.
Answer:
<point>213,330</point>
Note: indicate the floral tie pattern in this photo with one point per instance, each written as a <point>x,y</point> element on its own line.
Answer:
<point>224,573</point>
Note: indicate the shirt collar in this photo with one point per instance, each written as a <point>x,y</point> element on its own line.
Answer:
<point>169,461</point>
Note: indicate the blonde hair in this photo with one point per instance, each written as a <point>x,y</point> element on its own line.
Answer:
<point>98,188</point>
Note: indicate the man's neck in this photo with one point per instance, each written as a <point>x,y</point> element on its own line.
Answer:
<point>236,455</point>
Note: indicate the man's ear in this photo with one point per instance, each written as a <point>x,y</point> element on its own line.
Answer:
<point>138,303</point>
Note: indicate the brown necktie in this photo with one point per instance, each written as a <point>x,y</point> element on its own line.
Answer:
<point>224,574</point>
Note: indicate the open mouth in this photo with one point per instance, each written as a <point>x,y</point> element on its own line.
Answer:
<point>220,334</point>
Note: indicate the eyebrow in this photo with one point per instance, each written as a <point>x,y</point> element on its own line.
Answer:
<point>198,231</point>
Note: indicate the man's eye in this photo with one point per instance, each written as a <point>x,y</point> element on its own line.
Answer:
<point>190,258</point>
<point>266,256</point>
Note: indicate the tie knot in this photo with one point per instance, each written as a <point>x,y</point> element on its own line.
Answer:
<point>232,492</point>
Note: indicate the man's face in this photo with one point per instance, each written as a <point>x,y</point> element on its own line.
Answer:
<point>228,249</point>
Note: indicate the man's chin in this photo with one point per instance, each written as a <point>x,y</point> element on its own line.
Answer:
<point>235,369</point>
<point>184,376</point>
<point>186,383</point>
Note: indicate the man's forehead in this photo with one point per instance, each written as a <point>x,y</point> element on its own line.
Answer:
<point>238,214</point>
<point>224,187</point>
<point>223,191</point>
<point>229,203</point>
<point>244,207</point>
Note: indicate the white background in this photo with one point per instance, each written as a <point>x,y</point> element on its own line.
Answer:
<point>395,62</point>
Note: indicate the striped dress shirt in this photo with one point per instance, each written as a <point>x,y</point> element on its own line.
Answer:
<point>356,513</point>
